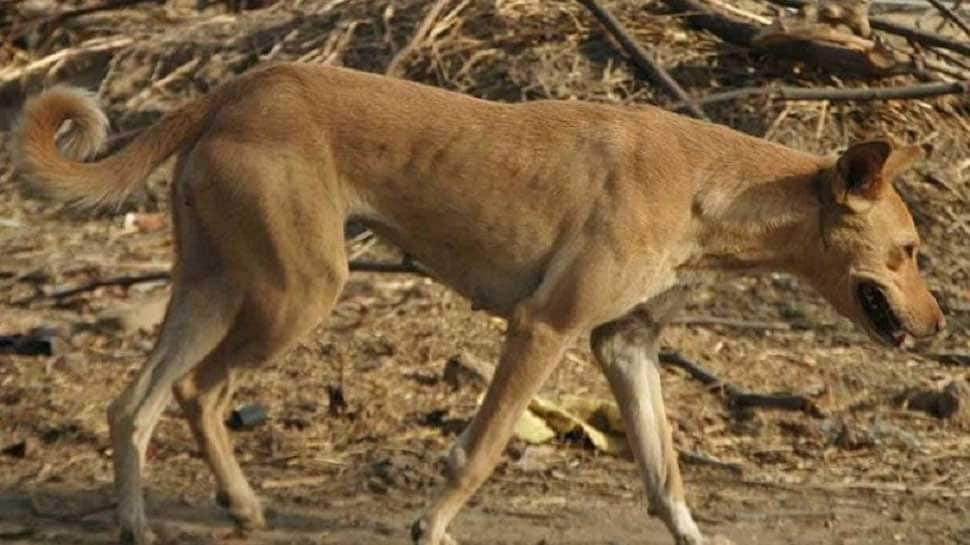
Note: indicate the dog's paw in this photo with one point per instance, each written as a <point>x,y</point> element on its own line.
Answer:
<point>139,536</point>
<point>420,535</point>
<point>248,520</point>
<point>245,510</point>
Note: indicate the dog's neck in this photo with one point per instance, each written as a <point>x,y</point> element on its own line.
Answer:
<point>767,218</point>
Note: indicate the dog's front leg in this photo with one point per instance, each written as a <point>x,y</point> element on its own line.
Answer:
<point>532,349</point>
<point>626,350</point>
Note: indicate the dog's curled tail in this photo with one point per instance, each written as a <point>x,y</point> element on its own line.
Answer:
<point>50,154</point>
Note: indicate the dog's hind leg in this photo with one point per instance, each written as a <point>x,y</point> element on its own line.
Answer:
<point>258,266</point>
<point>276,229</point>
<point>627,352</point>
<point>192,327</point>
<point>205,393</point>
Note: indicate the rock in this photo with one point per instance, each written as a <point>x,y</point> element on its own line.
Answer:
<point>959,391</point>
<point>144,223</point>
<point>26,448</point>
<point>246,417</point>
<point>944,403</point>
<point>41,341</point>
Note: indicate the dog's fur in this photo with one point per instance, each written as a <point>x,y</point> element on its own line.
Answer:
<point>564,217</point>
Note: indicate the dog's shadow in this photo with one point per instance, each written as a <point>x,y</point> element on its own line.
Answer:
<point>86,517</point>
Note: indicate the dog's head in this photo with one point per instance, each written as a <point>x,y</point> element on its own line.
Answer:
<point>866,262</point>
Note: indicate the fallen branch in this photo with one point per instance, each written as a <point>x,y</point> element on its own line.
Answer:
<point>869,62</point>
<point>952,15</point>
<point>834,94</point>
<point>641,58</point>
<point>55,20</point>
<point>886,25</point>
<point>125,281</point>
<point>738,398</point>
<point>93,47</point>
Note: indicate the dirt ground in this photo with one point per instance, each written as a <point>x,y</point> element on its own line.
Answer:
<point>359,416</point>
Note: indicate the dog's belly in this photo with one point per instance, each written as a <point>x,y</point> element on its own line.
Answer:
<point>489,291</point>
<point>492,282</point>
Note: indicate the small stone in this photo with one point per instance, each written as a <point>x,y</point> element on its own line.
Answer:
<point>941,404</point>
<point>246,417</point>
<point>144,223</point>
<point>41,341</point>
<point>26,448</point>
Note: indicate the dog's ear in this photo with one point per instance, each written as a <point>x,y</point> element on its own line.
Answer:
<point>865,172</point>
<point>900,160</point>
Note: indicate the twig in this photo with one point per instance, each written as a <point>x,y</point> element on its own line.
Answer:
<point>313,480</point>
<point>951,358</point>
<point>366,241</point>
<point>740,12</point>
<point>699,459</point>
<point>134,102</point>
<point>396,66</point>
<point>960,63</point>
<point>952,15</point>
<point>696,372</point>
<point>641,58</point>
<point>60,18</point>
<point>789,402</point>
<point>731,322</point>
<point>886,25</point>
<point>788,513</point>
<point>91,47</point>
<point>406,266</point>
<point>822,117</point>
<point>738,398</point>
<point>125,281</point>
<point>834,94</point>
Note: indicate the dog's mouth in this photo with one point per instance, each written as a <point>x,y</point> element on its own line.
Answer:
<point>884,321</point>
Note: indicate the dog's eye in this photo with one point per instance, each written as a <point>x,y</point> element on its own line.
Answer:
<point>911,250</point>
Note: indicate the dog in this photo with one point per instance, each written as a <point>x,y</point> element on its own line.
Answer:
<point>564,217</point>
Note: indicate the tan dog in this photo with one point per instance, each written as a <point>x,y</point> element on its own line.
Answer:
<point>564,217</point>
